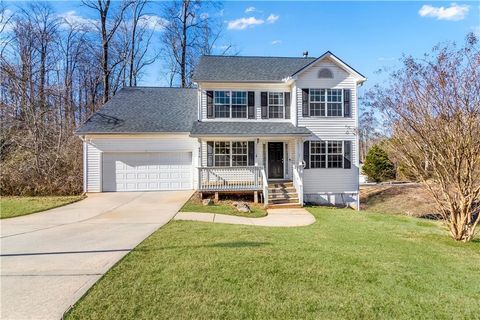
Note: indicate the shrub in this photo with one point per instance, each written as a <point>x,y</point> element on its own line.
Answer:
<point>378,166</point>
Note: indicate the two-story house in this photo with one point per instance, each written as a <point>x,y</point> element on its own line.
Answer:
<point>282,128</point>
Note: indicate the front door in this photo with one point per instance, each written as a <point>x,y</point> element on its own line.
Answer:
<point>275,160</point>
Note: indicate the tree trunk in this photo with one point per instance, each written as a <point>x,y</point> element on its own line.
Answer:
<point>183,66</point>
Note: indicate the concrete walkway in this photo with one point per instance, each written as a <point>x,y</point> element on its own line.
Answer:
<point>50,259</point>
<point>294,217</point>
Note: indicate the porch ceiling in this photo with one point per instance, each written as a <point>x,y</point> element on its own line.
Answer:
<point>247,129</point>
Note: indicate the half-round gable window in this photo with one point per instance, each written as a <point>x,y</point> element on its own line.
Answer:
<point>325,73</point>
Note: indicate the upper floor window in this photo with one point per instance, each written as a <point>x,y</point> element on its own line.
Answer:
<point>230,104</point>
<point>276,105</point>
<point>239,104</point>
<point>326,102</point>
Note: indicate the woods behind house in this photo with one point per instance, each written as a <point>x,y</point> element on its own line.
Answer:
<point>56,69</point>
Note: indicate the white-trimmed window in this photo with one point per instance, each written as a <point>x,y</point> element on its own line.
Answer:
<point>239,153</point>
<point>326,154</point>
<point>230,104</point>
<point>221,104</point>
<point>334,103</point>
<point>276,105</point>
<point>222,154</point>
<point>317,102</point>
<point>334,154</point>
<point>230,153</point>
<point>239,104</point>
<point>326,102</point>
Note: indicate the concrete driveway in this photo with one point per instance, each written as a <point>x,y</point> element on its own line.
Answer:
<point>50,259</point>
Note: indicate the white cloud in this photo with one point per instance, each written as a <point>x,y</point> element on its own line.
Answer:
<point>152,22</point>
<point>272,18</point>
<point>72,18</point>
<point>274,42</point>
<point>454,12</point>
<point>250,9</point>
<point>244,23</point>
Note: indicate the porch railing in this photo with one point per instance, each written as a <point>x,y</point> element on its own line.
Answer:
<point>230,178</point>
<point>265,188</point>
<point>298,181</point>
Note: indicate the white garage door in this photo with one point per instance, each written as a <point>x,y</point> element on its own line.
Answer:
<point>147,171</point>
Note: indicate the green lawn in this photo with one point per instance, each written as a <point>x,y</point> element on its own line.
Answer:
<point>347,265</point>
<point>224,207</point>
<point>18,206</point>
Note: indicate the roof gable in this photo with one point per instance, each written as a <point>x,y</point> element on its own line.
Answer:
<point>336,60</point>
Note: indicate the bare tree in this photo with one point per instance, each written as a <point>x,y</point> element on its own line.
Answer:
<point>108,25</point>
<point>368,131</point>
<point>135,38</point>
<point>189,33</point>
<point>433,107</point>
<point>43,66</point>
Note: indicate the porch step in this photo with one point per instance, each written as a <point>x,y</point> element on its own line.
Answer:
<point>284,205</point>
<point>281,195</point>
<point>280,201</point>
<point>282,184</point>
<point>282,190</point>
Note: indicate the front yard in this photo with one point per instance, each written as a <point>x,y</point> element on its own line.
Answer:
<point>18,206</point>
<point>225,206</point>
<point>346,265</point>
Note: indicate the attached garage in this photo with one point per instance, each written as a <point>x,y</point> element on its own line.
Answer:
<point>140,141</point>
<point>147,171</point>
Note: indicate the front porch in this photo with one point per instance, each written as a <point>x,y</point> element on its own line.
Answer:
<point>253,179</point>
<point>251,157</point>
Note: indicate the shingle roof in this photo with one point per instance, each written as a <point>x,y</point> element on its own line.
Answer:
<point>145,109</point>
<point>246,128</point>
<point>238,69</point>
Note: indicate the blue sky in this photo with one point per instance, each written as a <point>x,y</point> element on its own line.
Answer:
<point>367,35</point>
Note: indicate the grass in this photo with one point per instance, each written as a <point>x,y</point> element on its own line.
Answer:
<point>347,265</point>
<point>18,206</point>
<point>224,207</point>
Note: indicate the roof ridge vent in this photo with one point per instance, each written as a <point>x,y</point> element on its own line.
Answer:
<point>305,54</point>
